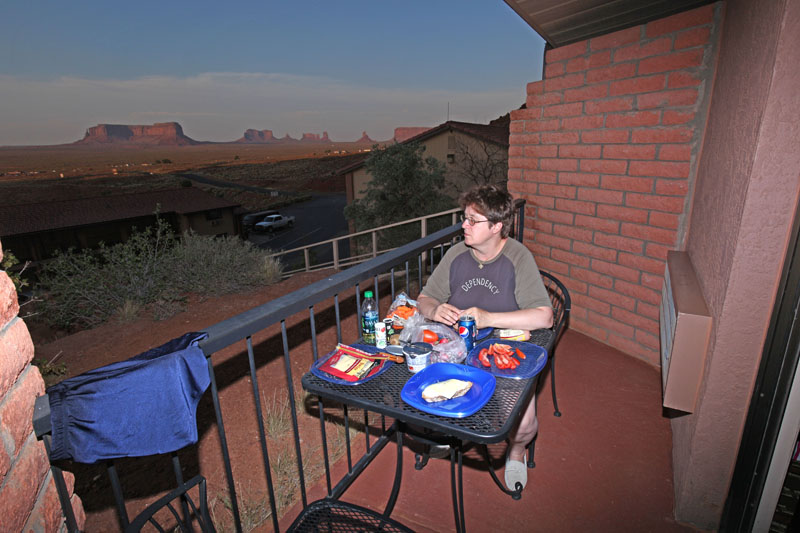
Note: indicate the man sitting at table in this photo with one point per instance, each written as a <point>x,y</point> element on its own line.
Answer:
<point>494,279</point>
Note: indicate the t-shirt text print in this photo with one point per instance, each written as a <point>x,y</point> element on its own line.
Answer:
<point>480,282</point>
<point>490,287</point>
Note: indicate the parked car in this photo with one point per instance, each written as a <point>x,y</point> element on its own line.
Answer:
<point>273,222</point>
<point>251,219</point>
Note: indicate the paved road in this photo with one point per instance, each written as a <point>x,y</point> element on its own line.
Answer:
<point>318,219</point>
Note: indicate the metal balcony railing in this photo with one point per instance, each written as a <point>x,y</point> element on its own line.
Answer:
<point>355,254</point>
<point>346,256</point>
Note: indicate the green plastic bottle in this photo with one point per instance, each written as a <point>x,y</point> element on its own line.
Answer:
<point>369,316</point>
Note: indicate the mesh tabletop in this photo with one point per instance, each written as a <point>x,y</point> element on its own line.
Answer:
<point>490,424</point>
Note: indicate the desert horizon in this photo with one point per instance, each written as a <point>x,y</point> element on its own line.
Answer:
<point>26,162</point>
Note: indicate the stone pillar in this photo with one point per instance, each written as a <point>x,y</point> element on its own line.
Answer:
<point>28,499</point>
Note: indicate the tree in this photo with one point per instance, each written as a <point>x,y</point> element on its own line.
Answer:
<point>479,162</point>
<point>404,185</point>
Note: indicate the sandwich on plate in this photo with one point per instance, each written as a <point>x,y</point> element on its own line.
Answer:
<point>446,390</point>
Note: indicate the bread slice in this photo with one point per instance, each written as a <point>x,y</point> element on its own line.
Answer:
<point>446,390</point>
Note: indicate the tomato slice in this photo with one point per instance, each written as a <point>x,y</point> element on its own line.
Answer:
<point>520,354</point>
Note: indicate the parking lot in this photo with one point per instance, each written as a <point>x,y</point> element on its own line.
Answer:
<point>316,220</point>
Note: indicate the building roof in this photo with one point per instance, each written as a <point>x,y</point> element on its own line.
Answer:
<point>559,22</point>
<point>485,132</point>
<point>495,132</point>
<point>32,218</point>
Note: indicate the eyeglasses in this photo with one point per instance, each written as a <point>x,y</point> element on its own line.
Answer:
<point>471,220</point>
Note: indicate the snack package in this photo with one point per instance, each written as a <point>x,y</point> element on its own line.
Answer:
<point>350,364</point>
<point>448,346</point>
<point>512,334</point>
<point>401,310</point>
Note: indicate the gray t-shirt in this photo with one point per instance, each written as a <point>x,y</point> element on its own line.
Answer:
<point>509,282</point>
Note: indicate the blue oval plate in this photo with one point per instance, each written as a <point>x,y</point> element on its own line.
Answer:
<point>483,333</point>
<point>321,374</point>
<point>535,359</point>
<point>483,384</point>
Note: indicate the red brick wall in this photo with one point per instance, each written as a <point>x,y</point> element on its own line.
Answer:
<point>605,154</point>
<point>28,499</point>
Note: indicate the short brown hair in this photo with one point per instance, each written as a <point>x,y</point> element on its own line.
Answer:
<point>493,202</point>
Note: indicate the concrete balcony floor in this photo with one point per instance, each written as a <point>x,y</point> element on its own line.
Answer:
<point>604,465</point>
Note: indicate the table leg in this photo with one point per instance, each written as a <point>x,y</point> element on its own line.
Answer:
<point>398,477</point>
<point>456,513</point>
<point>420,460</point>
<point>461,489</point>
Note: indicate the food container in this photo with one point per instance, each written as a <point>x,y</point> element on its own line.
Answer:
<point>417,355</point>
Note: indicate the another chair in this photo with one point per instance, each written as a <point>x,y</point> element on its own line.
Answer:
<point>140,407</point>
<point>334,515</point>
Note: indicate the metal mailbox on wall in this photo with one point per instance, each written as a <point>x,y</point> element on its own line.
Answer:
<point>685,330</point>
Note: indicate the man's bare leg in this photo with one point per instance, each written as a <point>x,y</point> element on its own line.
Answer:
<point>525,432</point>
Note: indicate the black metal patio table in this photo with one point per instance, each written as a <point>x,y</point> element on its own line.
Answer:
<point>491,424</point>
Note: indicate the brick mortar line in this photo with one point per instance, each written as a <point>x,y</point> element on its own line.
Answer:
<point>7,326</point>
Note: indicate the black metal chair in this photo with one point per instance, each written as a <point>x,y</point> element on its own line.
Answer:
<point>334,515</point>
<point>190,516</point>
<point>143,407</point>
<point>559,296</point>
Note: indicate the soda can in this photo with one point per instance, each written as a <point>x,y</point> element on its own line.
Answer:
<point>389,327</point>
<point>466,328</point>
<point>380,335</point>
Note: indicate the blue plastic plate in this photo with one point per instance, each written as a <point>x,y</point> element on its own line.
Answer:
<point>535,359</point>
<point>483,385</point>
<point>321,374</point>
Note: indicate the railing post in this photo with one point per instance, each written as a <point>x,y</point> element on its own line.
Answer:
<point>374,244</point>
<point>423,225</point>
<point>306,260</point>
<point>335,254</point>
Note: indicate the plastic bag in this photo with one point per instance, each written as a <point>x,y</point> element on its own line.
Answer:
<point>450,347</point>
<point>402,309</point>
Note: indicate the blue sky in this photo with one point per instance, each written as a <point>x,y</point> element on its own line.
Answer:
<point>292,67</point>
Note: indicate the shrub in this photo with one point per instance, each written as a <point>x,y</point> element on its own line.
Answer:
<point>221,265</point>
<point>10,265</point>
<point>151,269</point>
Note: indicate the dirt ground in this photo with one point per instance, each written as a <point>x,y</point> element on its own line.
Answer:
<point>84,160</point>
<point>143,484</point>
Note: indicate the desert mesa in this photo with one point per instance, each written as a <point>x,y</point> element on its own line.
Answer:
<point>171,134</point>
<point>107,149</point>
